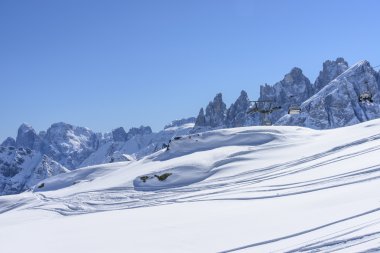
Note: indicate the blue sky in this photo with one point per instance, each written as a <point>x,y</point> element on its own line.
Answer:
<point>104,64</point>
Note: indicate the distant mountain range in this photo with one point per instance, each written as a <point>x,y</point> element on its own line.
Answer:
<point>331,101</point>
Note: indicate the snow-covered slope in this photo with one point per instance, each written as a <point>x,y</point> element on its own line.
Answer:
<point>21,168</point>
<point>253,189</point>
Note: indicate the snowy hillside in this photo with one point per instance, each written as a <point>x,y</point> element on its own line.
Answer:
<point>252,189</point>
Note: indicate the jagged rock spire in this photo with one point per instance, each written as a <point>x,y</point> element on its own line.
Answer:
<point>331,70</point>
<point>237,113</point>
<point>26,137</point>
<point>8,142</point>
<point>215,114</point>
<point>337,104</point>
<point>200,121</point>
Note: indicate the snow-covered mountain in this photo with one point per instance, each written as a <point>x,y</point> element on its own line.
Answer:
<point>67,146</point>
<point>331,70</point>
<point>22,168</point>
<point>295,89</point>
<point>337,104</point>
<point>332,101</point>
<point>137,143</point>
<point>251,189</point>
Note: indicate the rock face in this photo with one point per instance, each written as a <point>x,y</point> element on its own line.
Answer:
<point>27,137</point>
<point>142,130</point>
<point>337,104</point>
<point>68,144</point>
<point>330,71</point>
<point>292,90</point>
<point>215,114</point>
<point>9,142</point>
<point>22,168</point>
<point>237,113</point>
<point>201,120</point>
<point>119,134</point>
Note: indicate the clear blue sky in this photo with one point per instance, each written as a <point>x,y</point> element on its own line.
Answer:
<point>104,64</point>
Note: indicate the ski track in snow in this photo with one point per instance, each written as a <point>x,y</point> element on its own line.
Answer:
<point>260,183</point>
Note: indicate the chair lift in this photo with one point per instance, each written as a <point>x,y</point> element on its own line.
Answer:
<point>294,108</point>
<point>266,120</point>
<point>264,110</point>
<point>254,108</point>
<point>366,96</point>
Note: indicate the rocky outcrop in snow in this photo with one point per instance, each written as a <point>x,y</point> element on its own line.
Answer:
<point>337,104</point>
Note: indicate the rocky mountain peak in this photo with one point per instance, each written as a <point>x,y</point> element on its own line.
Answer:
<point>9,142</point>
<point>119,134</point>
<point>69,144</point>
<point>201,120</point>
<point>331,70</point>
<point>216,112</point>
<point>295,72</point>
<point>27,137</point>
<point>337,104</point>
<point>142,130</point>
<point>294,78</point>
<point>237,113</point>
<point>293,89</point>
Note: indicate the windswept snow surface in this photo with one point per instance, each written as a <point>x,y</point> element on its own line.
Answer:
<point>252,189</point>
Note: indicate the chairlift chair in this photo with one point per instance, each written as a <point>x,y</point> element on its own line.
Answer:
<point>253,109</point>
<point>294,109</point>
<point>366,96</point>
<point>267,122</point>
<point>267,107</point>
